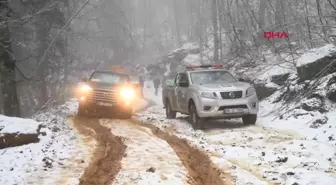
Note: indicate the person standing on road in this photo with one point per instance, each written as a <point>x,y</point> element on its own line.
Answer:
<point>156,85</point>
<point>141,84</point>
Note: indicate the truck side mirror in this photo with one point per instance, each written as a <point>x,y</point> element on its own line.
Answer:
<point>84,79</point>
<point>241,79</point>
<point>170,83</point>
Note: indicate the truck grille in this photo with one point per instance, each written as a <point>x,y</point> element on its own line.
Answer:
<point>232,95</point>
<point>104,96</point>
<point>233,107</point>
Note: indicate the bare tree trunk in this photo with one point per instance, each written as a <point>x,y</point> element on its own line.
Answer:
<point>177,25</point>
<point>11,103</point>
<point>42,69</point>
<point>205,22</point>
<point>320,15</point>
<point>1,97</point>
<point>220,30</point>
<point>261,22</point>
<point>278,13</point>
<point>199,28</point>
<point>293,6</point>
<point>269,12</point>
<point>191,28</point>
<point>63,88</point>
<point>308,25</point>
<point>145,25</point>
<point>261,13</point>
<point>215,29</point>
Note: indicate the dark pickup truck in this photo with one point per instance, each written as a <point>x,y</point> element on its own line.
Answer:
<point>106,93</point>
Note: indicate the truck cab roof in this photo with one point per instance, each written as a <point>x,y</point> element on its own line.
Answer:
<point>108,77</point>
<point>205,68</point>
<point>109,71</point>
<point>200,70</point>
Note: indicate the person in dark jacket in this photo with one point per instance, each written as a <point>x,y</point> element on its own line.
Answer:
<point>156,85</point>
<point>141,84</point>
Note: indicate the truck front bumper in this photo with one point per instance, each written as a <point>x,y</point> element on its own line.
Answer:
<point>94,106</point>
<point>217,108</point>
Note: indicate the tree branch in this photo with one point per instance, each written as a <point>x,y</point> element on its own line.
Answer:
<point>65,25</point>
<point>332,5</point>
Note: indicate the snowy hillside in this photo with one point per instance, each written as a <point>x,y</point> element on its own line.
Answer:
<point>275,151</point>
<point>298,101</point>
<point>57,150</point>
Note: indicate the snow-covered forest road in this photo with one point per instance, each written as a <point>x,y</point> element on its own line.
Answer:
<point>284,49</point>
<point>150,149</point>
<point>126,149</point>
<point>136,152</point>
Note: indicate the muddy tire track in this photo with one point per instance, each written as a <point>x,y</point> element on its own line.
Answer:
<point>105,163</point>
<point>201,169</point>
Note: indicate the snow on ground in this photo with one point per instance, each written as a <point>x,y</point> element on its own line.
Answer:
<point>301,124</point>
<point>18,125</point>
<point>273,151</point>
<point>273,65</point>
<point>315,54</point>
<point>148,160</point>
<point>276,70</point>
<point>190,46</point>
<point>58,158</point>
<point>149,93</point>
<point>183,129</point>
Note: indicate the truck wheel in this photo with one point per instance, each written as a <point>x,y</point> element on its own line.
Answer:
<point>197,122</point>
<point>250,119</point>
<point>127,114</point>
<point>170,114</point>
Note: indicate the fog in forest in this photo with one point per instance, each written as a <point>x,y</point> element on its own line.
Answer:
<point>46,46</point>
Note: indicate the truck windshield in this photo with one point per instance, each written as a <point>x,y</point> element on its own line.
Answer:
<point>111,78</point>
<point>211,77</point>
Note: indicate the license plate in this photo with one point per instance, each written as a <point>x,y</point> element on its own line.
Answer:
<point>233,111</point>
<point>105,104</point>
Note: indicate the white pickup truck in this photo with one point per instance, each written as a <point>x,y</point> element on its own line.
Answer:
<point>210,92</point>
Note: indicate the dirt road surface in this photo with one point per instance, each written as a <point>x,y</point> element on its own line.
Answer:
<point>127,148</point>
<point>150,149</point>
<point>105,162</point>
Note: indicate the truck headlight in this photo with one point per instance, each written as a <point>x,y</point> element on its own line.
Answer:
<point>210,95</point>
<point>250,91</point>
<point>127,93</point>
<point>85,88</point>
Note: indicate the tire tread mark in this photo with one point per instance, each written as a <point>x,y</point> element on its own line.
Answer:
<point>200,168</point>
<point>106,160</point>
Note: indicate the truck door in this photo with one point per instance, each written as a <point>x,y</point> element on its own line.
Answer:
<point>182,88</point>
<point>173,94</point>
